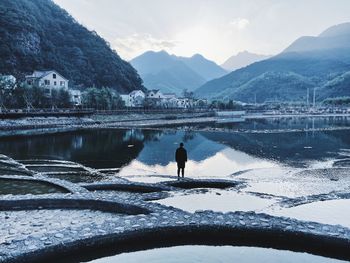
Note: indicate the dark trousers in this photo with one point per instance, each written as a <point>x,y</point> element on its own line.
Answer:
<point>181,167</point>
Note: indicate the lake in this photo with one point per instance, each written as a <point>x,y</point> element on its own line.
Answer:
<point>211,153</point>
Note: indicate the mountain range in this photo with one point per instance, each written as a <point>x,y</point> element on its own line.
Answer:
<point>172,74</point>
<point>321,62</point>
<point>241,60</point>
<point>39,35</point>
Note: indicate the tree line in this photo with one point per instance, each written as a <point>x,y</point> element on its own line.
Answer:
<point>225,105</point>
<point>102,99</point>
<point>17,96</point>
<point>338,101</point>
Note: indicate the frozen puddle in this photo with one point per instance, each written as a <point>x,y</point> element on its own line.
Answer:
<point>294,183</point>
<point>219,201</point>
<point>224,254</point>
<point>333,212</point>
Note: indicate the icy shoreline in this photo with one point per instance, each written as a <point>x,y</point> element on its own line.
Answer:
<point>40,125</point>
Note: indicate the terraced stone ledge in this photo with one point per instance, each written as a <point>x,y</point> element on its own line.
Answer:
<point>137,224</point>
<point>128,186</point>
<point>169,227</point>
<point>103,218</point>
<point>202,183</point>
<point>70,203</point>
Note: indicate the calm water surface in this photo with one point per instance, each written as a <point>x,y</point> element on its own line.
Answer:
<point>225,254</point>
<point>212,154</point>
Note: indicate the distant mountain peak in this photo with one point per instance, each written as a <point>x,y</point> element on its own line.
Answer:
<point>244,52</point>
<point>198,56</point>
<point>242,59</point>
<point>154,53</point>
<point>337,30</point>
<point>171,73</point>
<point>335,37</point>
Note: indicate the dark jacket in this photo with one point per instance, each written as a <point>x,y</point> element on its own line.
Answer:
<point>181,155</point>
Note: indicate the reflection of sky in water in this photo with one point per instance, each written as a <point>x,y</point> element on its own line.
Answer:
<point>162,151</point>
<point>206,158</point>
<point>210,153</point>
<point>295,183</point>
<point>217,200</point>
<point>334,212</point>
<point>219,154</point>
<point>223,254</point>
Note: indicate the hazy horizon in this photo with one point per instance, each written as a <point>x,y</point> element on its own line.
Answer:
<point>214,29</point>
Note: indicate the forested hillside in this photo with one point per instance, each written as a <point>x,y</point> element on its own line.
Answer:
<point>39,35</point>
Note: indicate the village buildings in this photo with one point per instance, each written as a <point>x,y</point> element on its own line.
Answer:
<point>52,80</point>
<point>157,99</point>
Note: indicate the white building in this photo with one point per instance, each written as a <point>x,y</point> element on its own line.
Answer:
<point>155,94</point>
<point>156,99</point>
<point>135,98</point>
<point>126,99</point>
<point>75,97</point>
<point>52,80</point>
<point>169,100</point>
<point>185,103</point>
<point>138,97</point>
<point>200,103</point>
<point>169,95</point>
<point>48,80</point>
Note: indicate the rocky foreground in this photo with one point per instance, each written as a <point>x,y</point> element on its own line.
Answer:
<point>52,209</point>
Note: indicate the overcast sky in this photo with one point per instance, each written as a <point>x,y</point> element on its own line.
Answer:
<point>216,29</point>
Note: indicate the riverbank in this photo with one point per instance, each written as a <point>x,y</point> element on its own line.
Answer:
<point>187,121</point>
<point>42,125</point>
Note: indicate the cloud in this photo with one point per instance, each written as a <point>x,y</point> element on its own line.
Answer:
<point>133,45</point>
<point>239,23</point>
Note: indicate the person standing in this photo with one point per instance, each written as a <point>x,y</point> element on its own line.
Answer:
<point>181,159</point>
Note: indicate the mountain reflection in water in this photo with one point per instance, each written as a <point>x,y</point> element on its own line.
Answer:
<point>217,153</point>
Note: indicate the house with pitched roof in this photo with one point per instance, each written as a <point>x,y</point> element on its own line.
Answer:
<point>48,80</point>
<point>52,80</point>
<point>135,98</point>
<point>154,94</point>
